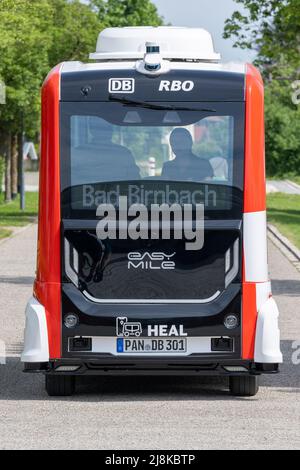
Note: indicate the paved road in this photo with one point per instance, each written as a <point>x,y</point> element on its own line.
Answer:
<point>142,413</point>
<point>32,181</point>
<point>288,187</point>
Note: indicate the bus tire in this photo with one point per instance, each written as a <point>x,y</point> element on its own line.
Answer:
<point>60,385</point>
<point>246,386</point>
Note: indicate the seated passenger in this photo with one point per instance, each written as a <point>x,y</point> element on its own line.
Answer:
<point>103,160</point>
<point>186,166</point>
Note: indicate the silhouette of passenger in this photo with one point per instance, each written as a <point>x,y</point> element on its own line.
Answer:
<point>101,159</point>
<point>186,166</point>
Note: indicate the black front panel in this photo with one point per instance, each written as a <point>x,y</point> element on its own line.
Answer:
<point>192,149</point>
<point>149,270</point>
<point>96,141</point>
<point>198,320</point>
<point>209,86</point>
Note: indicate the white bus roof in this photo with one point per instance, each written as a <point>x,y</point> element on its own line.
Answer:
<point>175,43</point>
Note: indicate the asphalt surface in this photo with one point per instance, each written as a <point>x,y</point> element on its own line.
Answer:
<point>142,413</point>
<point>287,187</point>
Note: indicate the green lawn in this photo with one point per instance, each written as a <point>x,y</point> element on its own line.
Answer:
<point>4,233</point>
<point>296,179</point>
<point>284,213</point>
<point>12,216</point>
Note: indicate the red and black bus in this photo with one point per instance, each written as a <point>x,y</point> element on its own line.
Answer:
<point>152,241</point>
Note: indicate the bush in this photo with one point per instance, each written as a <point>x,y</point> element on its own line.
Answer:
<point>282,131</point>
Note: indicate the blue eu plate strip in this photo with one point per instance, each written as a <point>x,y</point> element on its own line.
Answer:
<point>120,345</point>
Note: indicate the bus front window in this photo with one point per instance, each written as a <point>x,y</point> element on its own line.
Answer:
<point>112,147</point>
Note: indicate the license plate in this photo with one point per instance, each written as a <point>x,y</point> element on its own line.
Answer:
<point>151,346</point>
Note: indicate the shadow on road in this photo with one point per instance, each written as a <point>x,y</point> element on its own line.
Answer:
<point>285,288</point>
<point>15,385</point>
<point>28,281</point>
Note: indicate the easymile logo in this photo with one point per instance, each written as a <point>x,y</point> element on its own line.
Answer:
<point>121,85</point>
<point>151,261</point>
<point>162,222</point>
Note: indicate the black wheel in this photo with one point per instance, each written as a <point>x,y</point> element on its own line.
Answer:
<point>245,386</point>
<point>60,385</point>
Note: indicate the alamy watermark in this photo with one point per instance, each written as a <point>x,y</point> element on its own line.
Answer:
<point>160,222</point>
<point>2,93</point>
<point>2,353</point>
<point>156,214</point>
<point>296,353</point>
<point>296,92</point>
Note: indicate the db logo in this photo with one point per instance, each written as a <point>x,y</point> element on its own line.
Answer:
<point>121,85</point>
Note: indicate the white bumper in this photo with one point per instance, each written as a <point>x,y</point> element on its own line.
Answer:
<point>267,342</point>
<point>36,346</point>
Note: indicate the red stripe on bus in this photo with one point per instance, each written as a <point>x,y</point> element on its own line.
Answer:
<point>48,281</point>
<point>255,172</point>
<point>254,193</point>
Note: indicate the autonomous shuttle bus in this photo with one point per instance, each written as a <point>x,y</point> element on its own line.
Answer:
<point>152,243</point>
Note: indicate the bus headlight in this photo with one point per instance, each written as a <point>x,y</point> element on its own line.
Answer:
<point>71,321</point>
<point>231,321</point>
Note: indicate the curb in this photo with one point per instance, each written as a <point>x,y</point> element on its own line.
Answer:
<point>271,189</point>
<point>294,185</point>
<point>285,246</point>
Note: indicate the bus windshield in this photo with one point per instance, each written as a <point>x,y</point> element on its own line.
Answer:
<point>115,148</point>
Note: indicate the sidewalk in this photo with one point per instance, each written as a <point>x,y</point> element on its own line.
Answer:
<point>287,187</point>
<point>31,182</point>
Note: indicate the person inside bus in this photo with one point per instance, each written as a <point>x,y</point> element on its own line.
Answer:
<point>186,166</point>
<point>104,160</point>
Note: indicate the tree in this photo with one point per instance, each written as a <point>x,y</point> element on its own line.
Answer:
<point>272,28</point>
<point>35,36</point>
<point>113,13</point>
<point>24,41</point>
<point>282,130</point>
<point>75,29</point>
